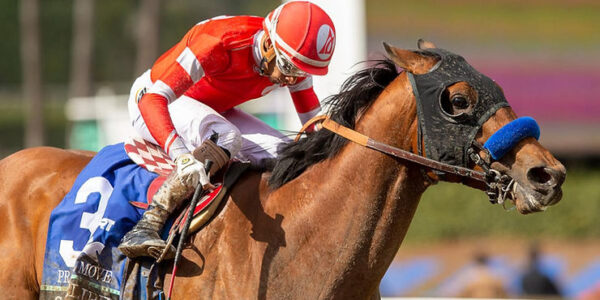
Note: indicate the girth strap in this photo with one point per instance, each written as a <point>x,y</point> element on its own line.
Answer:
<point>363,140</point>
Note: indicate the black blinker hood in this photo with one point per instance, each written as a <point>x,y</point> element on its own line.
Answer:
<point>448,138</point>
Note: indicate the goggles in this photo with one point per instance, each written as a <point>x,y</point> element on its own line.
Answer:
<point>286,67</point>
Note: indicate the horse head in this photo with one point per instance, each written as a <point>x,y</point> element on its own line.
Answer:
<point>350,190</point>
<point>464,120</point>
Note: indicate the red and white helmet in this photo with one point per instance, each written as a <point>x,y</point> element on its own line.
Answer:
<point>302,34</point>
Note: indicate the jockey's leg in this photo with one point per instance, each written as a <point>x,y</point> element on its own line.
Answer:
<point>144,238</point>
<point>194,121</point>
<point>260,142</point>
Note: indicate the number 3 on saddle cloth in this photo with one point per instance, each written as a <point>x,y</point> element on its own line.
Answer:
<point>107,199</point>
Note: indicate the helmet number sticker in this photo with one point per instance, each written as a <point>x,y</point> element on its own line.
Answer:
<point>325,42</point>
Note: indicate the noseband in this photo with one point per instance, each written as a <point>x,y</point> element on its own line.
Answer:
<point>499,186</point>
<point>449,140</point>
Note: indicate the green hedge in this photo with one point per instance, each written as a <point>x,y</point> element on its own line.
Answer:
<point>449,211</point>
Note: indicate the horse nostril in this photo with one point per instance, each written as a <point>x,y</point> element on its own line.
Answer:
<point>540,175</point>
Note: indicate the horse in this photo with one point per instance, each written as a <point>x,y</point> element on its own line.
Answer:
<point>325,222</point>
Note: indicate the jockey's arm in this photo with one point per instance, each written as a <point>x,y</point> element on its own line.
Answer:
<point>173,74</point>
<point>305,100</point>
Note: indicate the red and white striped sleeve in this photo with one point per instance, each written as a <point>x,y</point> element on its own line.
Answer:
<point>173,74</point>
<point>305,100</point>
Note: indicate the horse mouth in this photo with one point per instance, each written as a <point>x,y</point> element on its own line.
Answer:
<point>529,200</point>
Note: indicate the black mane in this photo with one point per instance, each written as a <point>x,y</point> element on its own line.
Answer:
<point>357,93</point>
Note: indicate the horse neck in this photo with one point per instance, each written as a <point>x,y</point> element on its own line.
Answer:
<point>362,201</point>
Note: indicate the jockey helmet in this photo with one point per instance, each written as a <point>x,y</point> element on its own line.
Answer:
<point>303,38</point>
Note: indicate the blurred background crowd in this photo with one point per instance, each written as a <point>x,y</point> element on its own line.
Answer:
<point>67,67</point>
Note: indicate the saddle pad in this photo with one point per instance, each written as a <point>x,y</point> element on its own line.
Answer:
<point>149,156</point>
<point>202,204</point>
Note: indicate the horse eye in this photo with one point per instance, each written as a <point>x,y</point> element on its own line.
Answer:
<point>460,102</point>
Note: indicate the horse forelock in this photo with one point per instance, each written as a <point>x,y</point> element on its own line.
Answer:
<point>357,94</point>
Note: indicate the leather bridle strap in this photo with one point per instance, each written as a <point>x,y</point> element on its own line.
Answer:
<point>366,141</point>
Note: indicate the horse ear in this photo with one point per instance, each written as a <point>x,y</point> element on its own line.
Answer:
<point>408,60</point>
<point>423,44</point>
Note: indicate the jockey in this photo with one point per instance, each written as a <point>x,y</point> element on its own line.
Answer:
<point>192,90</point>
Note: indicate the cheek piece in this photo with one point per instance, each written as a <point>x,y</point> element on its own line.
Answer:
<point>510,134</point>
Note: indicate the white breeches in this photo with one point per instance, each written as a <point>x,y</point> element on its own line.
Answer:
<point>245,136</point>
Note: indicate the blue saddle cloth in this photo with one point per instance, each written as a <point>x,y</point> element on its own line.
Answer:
<point>87,226</point>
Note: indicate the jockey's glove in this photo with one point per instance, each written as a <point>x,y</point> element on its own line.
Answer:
<point>191,171</point>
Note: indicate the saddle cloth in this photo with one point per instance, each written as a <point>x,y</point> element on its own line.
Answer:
<point>81,258</point>
<point>107,199</point>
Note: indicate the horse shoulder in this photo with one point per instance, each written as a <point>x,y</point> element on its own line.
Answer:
<point>238,214</point>
<point>229,246</point>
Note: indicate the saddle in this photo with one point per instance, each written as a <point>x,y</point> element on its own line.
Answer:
<point>154,159</point>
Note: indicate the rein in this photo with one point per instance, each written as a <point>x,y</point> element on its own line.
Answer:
<point>499,186</point>
<point>368,142</point>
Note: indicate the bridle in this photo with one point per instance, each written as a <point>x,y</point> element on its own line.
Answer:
<point>498,186</point>
<point>443,158</point>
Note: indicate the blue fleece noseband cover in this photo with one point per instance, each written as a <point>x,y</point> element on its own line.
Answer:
<point>510,134</point>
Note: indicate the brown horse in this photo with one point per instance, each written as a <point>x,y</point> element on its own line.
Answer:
<point>325,224</point>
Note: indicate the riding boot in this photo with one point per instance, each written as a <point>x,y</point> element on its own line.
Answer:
<point>144,239</point>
